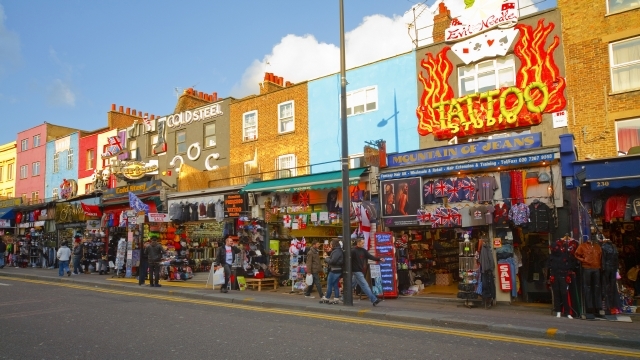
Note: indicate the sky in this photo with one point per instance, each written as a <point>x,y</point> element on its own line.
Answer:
<point>65,62</point>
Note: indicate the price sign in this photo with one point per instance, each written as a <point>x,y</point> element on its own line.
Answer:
<point>386,250</point>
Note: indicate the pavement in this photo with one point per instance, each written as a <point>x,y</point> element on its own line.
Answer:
<point>518,319</point>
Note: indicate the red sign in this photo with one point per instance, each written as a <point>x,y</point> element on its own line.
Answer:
<point>505,277</point>
<point>91,210</point>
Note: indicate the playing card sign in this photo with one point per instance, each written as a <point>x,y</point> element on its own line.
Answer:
<point>492,43</point>
<point>538,89</point>
<point>482,16</point>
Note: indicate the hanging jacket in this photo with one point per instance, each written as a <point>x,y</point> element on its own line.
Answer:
<point>609,256</point>
<point>486,257</point>
<point>590,255</point>
<point>560,259</point>
<point>539,217</point>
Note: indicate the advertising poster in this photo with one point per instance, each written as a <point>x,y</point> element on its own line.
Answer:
<point>400,201</point>
<point>386,250</point>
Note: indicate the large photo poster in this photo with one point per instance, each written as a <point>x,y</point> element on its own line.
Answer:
<point>400,201</point>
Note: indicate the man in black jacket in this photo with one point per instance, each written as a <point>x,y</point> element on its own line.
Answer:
<point>359,257</point>
<point>3,249</point>
<point>154,254</point>
<point>225,258</point>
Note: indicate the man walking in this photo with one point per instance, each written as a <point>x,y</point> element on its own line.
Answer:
<point>225,258</point>
<point>314,267</point>
<point>77,257</point>
<point>144,264</point>
<point>154,254</point>
<point>63,255</point>
<point>359,257</point>
<point>3,249</point>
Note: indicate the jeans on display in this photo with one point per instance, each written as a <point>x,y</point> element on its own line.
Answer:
<point>62,265</point>
<point>359,278</point>
<point>505,184</point>
<point>561,295</point>
<point>591,285</point>
<point>154,273</point>
<point>77,268</point>
<point>332,285</point>
<point>610,289</point>
<point>142,271</point>
<point>316,282</point>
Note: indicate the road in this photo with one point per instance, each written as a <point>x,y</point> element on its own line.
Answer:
<point>52,321</point>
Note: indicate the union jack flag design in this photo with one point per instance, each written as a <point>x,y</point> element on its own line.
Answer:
<point>467,189</point>
<point>441,217</point>
<point>428,195</point>
<point>452,189</point>
<point>423,216</point>
<point>455,217</point>
<point>440,188</point>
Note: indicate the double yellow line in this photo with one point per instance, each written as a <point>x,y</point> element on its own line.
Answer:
<point>386,324</point>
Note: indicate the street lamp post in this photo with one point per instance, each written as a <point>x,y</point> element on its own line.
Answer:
<point>347,293</point>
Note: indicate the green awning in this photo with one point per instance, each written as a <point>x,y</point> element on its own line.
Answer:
<point>327,180</point>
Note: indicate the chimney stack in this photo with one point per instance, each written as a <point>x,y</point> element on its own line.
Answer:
<point>441,22</point>
<point>113,107</point>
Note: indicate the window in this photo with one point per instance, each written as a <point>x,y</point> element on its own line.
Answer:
<point>24,171</point>
<point>210,135</point>
<point>24,197</point>
<point>9,194</point>
<point>285,117</point>
<point>181,142</point>
<point>69,159</point>
<point>10,172</point>
<point>133,149</point>
<point>105,160</point>
<point>250,126</point>
<point>627,135</point>
<point>54,193</point>
<point>625,64</point>
<point>24,145</point>
<point>35,168</point>
<point>362,100</point>
<point>34,196</point>
<point>153,141</point>
<point>1,170</point>
<point>286,166</point>
<point>356,161</point>
<point>621,5</point>
<point>36,140</point>
<point>91,153</point>
<point>487,75</point>
<point>56,162</point>
<point>88,188</point>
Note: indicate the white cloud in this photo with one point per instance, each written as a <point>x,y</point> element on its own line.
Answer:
<point>60,94</point>
<point>9,45</point>
<point>299,58</point>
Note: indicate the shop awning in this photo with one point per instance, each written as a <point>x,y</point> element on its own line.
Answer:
<point>328,180</point>
<point>617,172</point>
<point>6,213</point>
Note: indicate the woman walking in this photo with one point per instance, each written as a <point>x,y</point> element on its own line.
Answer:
<point>335,262</point>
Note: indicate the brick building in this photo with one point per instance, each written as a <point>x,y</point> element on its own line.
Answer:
<point>602,49</point>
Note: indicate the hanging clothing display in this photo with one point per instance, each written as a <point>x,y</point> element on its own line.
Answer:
<point>486,186</point>
<point>539,217</point>
<point>519,214</point>
<point>615,207</point>
<point>517,186</point>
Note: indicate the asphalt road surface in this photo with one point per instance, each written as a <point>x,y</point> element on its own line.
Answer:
<point>55,321</point>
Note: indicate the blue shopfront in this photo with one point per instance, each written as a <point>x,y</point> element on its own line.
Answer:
<point>443,203</point>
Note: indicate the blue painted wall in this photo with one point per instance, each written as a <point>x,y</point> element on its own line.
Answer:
<point>53,180</point>
<point>394,121</point>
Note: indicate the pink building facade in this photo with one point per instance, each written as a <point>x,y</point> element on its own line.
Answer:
<point>30,163</point>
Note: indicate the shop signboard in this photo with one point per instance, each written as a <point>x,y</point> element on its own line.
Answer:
<point>9,203</point>
<point>234,205</point>
<point>93,224</point>
<point>5,223</point>
<point>385,249</point>
<point>461,151</point>
<point>136,188</point>
<point>68,189</point>
<point>401,201</point>
<point>505,277</point>
<point>470,166</point>
<point>134,170</point>
<point>188,116</point>
<point>158,217</point>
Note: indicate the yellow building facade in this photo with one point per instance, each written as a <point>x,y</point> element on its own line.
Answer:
<point>7,170</point>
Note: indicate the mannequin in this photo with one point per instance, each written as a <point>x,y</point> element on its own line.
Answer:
<point>561,264</point>
<point>609,271</point>
<point>590,256</point>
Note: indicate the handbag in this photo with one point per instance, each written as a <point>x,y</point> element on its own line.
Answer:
<point>309,279</point>
<point>218,276</point>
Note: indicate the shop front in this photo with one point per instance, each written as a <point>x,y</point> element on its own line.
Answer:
<point>607,197</point>
<point>36,239</point>
<point>447,205</point>
<point>122,223</point>
<point>8,216</point>
<point>301,209</point>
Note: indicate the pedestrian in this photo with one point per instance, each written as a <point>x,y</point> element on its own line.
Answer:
<point>77,256</point>
<point>314,267</point>
<point>154,254</point>
<point>3,249</point>
<point>335,262</point>
<point>225,258</point>
<point>143,269</point>
<point>63,255</point>
<point>359,257</point>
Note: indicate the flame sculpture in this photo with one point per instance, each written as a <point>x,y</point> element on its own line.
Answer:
<point>539,89</point>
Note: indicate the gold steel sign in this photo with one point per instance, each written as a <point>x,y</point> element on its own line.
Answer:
<point>134,169</point>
